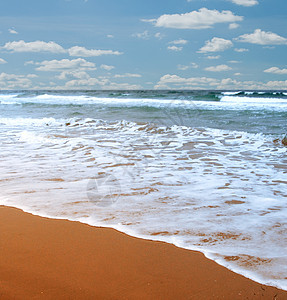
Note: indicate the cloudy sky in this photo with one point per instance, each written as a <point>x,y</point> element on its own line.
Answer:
<point>143,44</point>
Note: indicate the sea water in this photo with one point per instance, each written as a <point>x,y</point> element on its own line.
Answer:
<point>204,170</point>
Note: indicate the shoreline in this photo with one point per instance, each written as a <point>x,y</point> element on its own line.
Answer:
<point>60,259</point>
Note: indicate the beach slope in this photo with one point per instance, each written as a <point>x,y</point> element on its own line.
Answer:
<point>57,259</point>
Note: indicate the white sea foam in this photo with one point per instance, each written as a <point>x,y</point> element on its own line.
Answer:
<point>222,192</point>
<point>251,100</point>
<point>229,100</point>
<point>218,191</point>
<point>231,93</point>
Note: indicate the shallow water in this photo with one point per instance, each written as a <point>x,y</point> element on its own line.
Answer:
<point>200,170</point>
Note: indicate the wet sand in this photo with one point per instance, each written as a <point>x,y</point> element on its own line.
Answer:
<point>57,259</point>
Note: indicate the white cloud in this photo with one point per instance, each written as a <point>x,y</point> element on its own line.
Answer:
<point>215,45</point>
<point>12,31</point>
<point>30,62</point>
<point>179,42</point>
<point>182,67</point>
<point>143,35</point>
<point>213,57</point>
<point>174,81</point>
<point>174,48</point>
<point>233,26</point>
<point>202,19</point>
<point>110,36</point>
<point>84,83</point>
<point>122,86</point>
<point>241,50</point>
<point>32,76</point>
<point>234,61</point>
<point>245,2</point>
<point>83,52</point>
<point>219,68</point>
<point>37,46</point>
<point>65,65</point>
<point>2,61</point>
<point>229,83</point>
<point>107,67</point>
<point>13,81</point>
<point>260,37</point>
<point>237,74</point>
<point>40,46</point>
<point>100,83</point>
<point>159,35</point>
<point>275,70</point>
<point>126,75</point>
<point>282,85</point>
<point>70,75</point>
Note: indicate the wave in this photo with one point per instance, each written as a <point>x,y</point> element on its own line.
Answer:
<point>255,94</point>
<point>168,179</point>
<point>251,100</point>
<point>193,100</point>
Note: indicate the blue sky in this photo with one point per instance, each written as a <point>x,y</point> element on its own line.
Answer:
<point>150,44</point>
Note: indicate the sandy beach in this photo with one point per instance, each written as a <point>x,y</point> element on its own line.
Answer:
<point>57,259</point>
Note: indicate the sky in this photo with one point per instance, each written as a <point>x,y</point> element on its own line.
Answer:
<point>143,44</point>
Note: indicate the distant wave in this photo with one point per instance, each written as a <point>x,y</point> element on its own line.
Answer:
<point>275,100</point>
<point>255,94</point>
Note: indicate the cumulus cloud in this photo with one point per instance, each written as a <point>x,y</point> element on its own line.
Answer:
<point>13,81</point>
<point>107,67</point>
<point>276,85</point>
<point>213,57</point>
<point>2,61</point>
<point>245,2</point>
<point>174,81</point>
<point>182,67</point>
<point>122,86</point>
<point>175,44</point>
<point>37,46</point>
<point>83,83</point>
<point>185,67</point>
<point>70,75</point>
<point>101,83</point>
<point>261,37</point>
<point>65,65</point>
<point>241,50</point>
<point>159,35</point>
<point>275,70</point>
<point>143,35</point>
<point>83,52</point>
<point>219,68</point>
<point>126,75</point>
<point>174,48</point>
<point>229,83</point>
<point>233,26</point>
<point>179,42</point>
<point>12,31</point>
<point>202,19</point>
<point>41,46</point>
<point>215,45</point>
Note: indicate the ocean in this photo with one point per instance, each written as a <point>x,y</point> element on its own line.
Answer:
<point>203,170</point>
